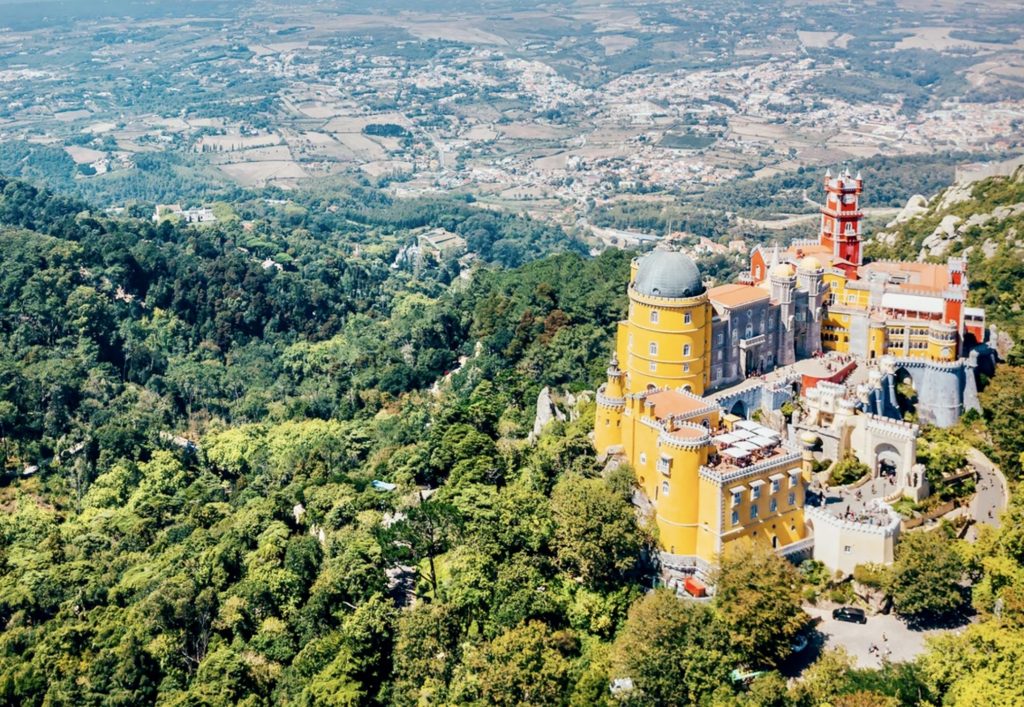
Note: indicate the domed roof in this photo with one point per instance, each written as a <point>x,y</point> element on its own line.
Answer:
<point>810,264</point>
<point>783,270</point>
<point>668,273</point>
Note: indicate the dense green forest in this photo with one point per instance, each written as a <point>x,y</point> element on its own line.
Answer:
<point>234,484</point>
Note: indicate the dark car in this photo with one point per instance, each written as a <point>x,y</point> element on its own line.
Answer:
<point>851,614</point>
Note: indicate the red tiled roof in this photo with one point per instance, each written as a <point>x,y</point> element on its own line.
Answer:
<point>669,403</point>
<point>736,295</point>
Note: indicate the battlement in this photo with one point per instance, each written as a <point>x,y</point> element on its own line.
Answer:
<point>948,366</point>
<point>608,402</point>
<point>707,406</point>
<point>895,428</point>
<point>728,473</point>
<point>885,523</point>
<point>685,435</point>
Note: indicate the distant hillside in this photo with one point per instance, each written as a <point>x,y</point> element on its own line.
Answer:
<point>982,220</point>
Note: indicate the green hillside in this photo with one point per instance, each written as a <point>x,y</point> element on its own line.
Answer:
<point>984,222</point>
<point>315,484</point>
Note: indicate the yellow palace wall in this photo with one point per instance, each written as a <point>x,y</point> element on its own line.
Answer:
<point>694,517</point>
<point>680,332</point>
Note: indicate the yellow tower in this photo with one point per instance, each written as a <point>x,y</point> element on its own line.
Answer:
<point>706,491</point>
<point>610,404</point>
<point>668,332</point>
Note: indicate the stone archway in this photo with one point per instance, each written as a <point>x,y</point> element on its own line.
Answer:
<point>739,408</point>
<point>888,460</point>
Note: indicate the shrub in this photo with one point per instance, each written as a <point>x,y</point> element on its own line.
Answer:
<point>871,575</point>
<point>847,470</point>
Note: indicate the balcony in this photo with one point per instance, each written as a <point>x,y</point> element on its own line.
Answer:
<point>751,342</point>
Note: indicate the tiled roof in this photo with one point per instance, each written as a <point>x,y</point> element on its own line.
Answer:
<point>735,295</point>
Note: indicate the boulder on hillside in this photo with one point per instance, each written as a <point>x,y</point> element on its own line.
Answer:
<point>941,238</point>
<point>547,412</point>
<point>915,206</point>
<point>956,194</point>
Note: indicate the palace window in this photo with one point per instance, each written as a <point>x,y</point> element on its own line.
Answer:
<point>664,488</point>
<point>687,318</point>
<point>652,348</point>
<point>735,517</point>
<point>721,337</point>
<point>775,485</point>
<point>654,316</point>
<point>755,492</point>
<point>792,498</point>
<point>643,458</point>
<point>686,350</point>
<point>653,367</point>
<point>753,512</point>
<point>773,506</point>
<point>686,368</point>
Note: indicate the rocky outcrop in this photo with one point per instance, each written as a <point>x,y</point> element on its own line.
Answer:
<point>547,412</point>
<point>952,228</point>
<point>940,240</point>
<point>956,194</point>
<point>1000,341</point>
<point>915,206</point>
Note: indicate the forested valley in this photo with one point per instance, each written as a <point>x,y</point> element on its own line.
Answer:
<point>316,483</point>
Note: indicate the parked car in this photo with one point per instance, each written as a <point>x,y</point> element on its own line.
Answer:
<point>851,614</point>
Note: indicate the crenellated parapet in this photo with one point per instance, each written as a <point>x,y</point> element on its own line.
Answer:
<point>685,435</point>
<point>886,524</point>
<point>609,402</point>
<point>892,428</point>
<point>731,474</point>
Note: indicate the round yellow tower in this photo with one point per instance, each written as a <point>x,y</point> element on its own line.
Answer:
<point>610,404</point>
<point>669,327</point>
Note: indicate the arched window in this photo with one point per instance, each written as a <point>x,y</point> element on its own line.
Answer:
<point>652,348</point>
<point>654,316</point>
<point>687,318</point>
<point>686,350</point>
<point>664,488</point>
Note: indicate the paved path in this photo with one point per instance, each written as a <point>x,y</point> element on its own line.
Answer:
<point>903,644</point>
<point>992,495</point>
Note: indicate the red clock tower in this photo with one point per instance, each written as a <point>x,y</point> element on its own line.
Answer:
<point>840,220</point>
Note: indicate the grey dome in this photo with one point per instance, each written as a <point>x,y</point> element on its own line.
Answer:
<point>668,273</point>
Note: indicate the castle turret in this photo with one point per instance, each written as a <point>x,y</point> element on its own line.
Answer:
<point>783,282</point>
<point>610,404</point>
<point>808,441</point>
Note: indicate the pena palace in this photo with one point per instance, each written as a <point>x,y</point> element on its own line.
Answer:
<point>699,374</point>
